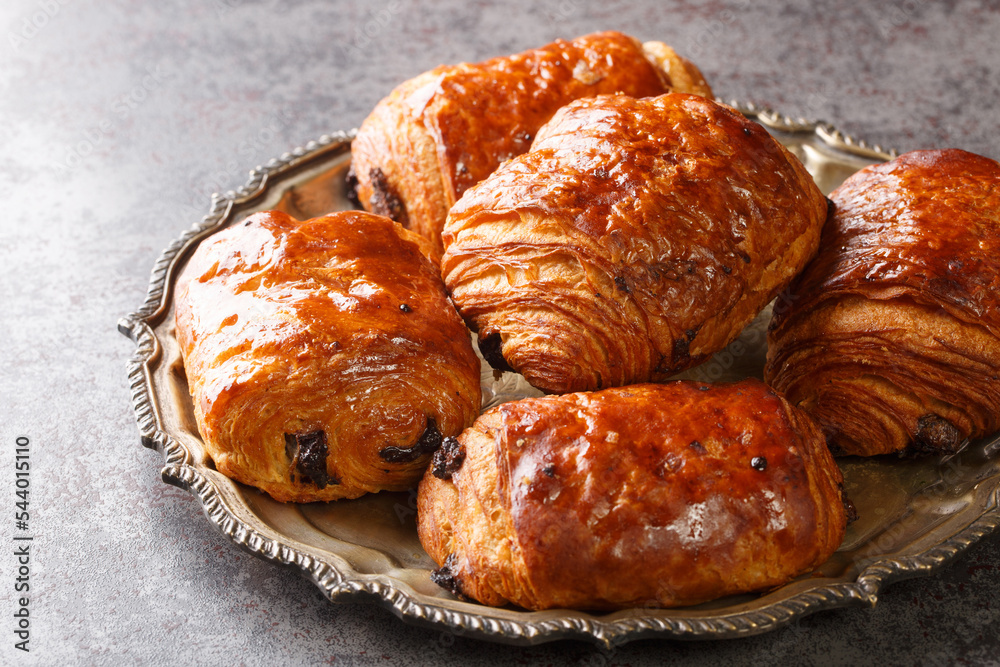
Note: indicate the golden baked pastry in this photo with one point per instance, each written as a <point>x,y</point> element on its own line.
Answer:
<point>323,357</point>
<point>441,132</point>
<point>892,339</point>
<point>636,239</point>
<point>655,494</point>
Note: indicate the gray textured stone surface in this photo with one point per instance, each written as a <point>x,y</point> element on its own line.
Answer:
<point>119,118</point>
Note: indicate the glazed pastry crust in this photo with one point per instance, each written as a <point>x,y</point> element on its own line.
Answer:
<point>437,134</point>
<point>323,357</point>
<point>661,495</point>
<point>891,340</point>
<point>636,239</point>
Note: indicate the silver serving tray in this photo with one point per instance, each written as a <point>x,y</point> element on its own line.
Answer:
<point>915,514</point>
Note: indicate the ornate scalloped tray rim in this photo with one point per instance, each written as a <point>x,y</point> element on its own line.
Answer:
<point>337,579</point>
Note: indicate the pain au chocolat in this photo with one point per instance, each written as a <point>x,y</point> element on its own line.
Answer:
<point>635,239</point>
<point>449,128</point>
<point>323,357</point>
<point>892,338</point>
<point>655,494</point>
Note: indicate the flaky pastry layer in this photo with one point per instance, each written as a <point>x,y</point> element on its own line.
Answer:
<point>441,132</point>
<point>637,238</point>
<point>892,337</point>
<point>323,357</point>
<point>642,496</point>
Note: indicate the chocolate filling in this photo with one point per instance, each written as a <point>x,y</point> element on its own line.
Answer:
<point>448,459</point>
<point>849,509</point>
<point>681,349</point>
<point>835,449</point>
<point>384,200</point>
<point>445,577</point>
<point>308,453</point>
<point>351,182</point>
<point>429,441</point>
<point>936,434</point>
<point>490,346</point>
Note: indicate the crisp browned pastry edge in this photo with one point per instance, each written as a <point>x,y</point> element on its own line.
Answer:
<point>323,357</point>
<point>891,337</point>
<point>526,508</point>
<point>428,141</point>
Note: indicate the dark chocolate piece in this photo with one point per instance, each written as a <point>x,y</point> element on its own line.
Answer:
<point>489,347</point>
<point>384,200</point>
<point>448,459</point>
<point>849,509</point>
<point>936,434</point>
<point>681,348</point>
<point>428,442</point>
<point>445,577</point>
<point>308,453</point>
<point>352,187</point>
<point>835,449</point>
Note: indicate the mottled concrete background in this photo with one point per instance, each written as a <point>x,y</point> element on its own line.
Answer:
<point>118,118</point>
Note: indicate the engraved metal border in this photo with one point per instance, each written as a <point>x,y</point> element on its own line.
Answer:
<point>822,130</point>
<point>337,579</point>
